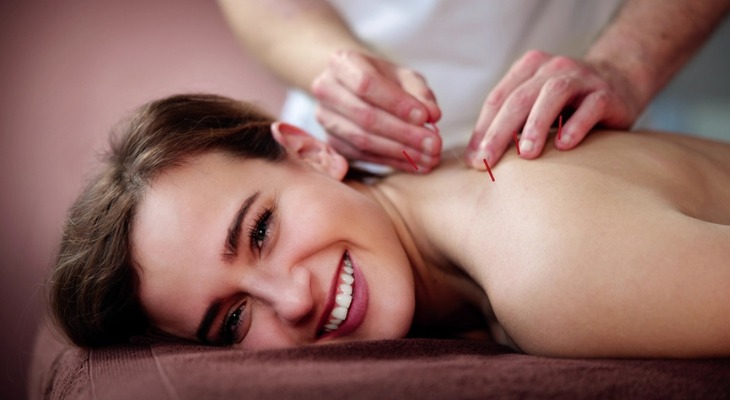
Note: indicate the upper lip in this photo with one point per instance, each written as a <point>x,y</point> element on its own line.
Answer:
<point>330,304</point>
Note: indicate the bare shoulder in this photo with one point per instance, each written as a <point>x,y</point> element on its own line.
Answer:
<point>622,254</point>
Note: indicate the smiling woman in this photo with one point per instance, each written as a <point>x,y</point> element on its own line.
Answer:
<point>212,223</point>
<point>199,227</point>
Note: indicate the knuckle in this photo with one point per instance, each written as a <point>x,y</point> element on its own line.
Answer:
<point>495,98</point>
<point>318,86</point>
<point>366,117</point>
<point>600,101</point>
<point>558,84</point>
<point>533,57</point>
<point>363,82</point>
<point>601,98</point>
<point>533,122</point>
<point>561,63</point>
<point>519,99</point>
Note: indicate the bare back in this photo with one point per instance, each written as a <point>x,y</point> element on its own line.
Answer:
<point>620,247</point>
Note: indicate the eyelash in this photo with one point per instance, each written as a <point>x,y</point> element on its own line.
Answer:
<point>261,221</point>
<point>227,330</point>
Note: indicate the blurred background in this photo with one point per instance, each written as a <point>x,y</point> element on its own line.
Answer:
<point>70,70</point>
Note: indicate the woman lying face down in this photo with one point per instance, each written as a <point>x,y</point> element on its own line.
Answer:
<point>212,223</point>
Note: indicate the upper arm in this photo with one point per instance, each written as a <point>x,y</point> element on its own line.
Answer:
<point>649,285</point>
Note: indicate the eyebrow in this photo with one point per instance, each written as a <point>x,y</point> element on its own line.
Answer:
<point>234,230</point>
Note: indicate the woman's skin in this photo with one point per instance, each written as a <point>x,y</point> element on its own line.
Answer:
<point>618,249</point>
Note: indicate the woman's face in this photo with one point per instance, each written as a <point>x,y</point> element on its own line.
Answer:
<point>253,252</point>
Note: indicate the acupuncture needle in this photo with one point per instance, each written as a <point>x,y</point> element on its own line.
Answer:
<point>499,192</point>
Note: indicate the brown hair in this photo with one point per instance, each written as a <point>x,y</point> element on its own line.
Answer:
<point>94,285</point>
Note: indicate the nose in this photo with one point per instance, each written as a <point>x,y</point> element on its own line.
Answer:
<point>289,294</point>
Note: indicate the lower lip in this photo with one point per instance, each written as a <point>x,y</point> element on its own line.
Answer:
<point>358,308</point>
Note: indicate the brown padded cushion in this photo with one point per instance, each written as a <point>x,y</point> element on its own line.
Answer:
<point>391,369</point>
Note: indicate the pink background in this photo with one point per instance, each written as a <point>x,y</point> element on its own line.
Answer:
<point>69,70</point>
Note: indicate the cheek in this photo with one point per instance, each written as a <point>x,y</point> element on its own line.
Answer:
<point>328,211</point>
<point>331,215</point>
<point>391,303</point>
<point>267,332</point>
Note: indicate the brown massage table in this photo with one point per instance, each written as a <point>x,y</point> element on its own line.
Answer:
<point>149,368</point>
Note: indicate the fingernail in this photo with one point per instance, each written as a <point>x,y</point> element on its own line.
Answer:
<point>426,160</point>
<point>566,139</point>
<point>483,155</point>
<point>415,115</point>
<point>427,145</point>
<point>527,145</point>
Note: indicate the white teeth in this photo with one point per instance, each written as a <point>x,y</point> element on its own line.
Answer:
<point>340,313</point>
<point>345,288</point>
<point>348,279</point>
<point>343,300</point>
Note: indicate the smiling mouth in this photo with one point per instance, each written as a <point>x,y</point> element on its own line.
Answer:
<point>343,297</point>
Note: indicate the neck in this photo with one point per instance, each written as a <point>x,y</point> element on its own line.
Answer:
<point>448,301</point>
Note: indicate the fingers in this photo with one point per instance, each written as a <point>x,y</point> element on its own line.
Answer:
<point>521,71</point>
<point>354,142</point>
<point>371,121</point>
<point>373,109</point>
<point>554,95</point>
<point>510,118</point>
<point>360,75</point>
<point>401,163</point>
<point>535,91</point>
<point>591,111</point>
<point>415,84</point>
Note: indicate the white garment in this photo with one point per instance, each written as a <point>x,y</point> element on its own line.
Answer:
<point>463,48</point>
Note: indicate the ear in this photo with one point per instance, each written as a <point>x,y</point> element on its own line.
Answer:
<point>301,146</point>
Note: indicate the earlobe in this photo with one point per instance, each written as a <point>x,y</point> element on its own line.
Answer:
<point>300,146</point>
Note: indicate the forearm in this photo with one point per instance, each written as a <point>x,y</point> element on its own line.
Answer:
<point>650,40</point>
<point>293,38</point>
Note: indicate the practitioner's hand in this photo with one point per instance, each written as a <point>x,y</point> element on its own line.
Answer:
<point>373,110</point>
<point>535,91</point>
